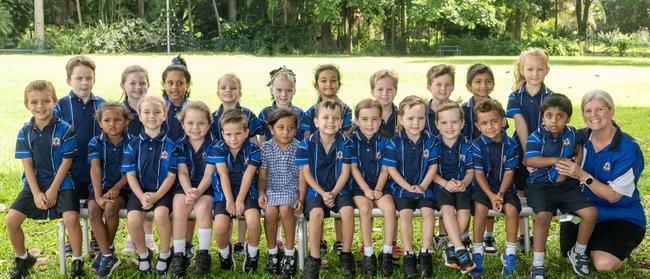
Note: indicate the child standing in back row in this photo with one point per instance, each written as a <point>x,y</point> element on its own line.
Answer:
<point>176,91</point>
<point>283,88</point>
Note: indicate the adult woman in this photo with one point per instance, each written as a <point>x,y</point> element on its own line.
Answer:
<point>611,168</point>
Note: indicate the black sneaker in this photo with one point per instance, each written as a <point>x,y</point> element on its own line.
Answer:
<point>467,242</point>
<point>386,264</point>
<point>346,261</point>
<point>189,250</point>
<point>323,246</point>
<point>179,265</point>
<point>167,265</point>
<point>21,267</point>
<point>239,248</point>
<point>147,259</point>
<point>250,261</point>
<point>289,266</point>
<point>521,244</point>
<point>77,269</point>
<point>369,265</point>
<point>227,263</point>
<point>272,264</point>
<point>107,266</point>
<point>95,265</point>
<point>464,261</point>
<point>338,247</point>
<point>449,256</point>
<point>426,262</point>
<point>203,262</point>
<point>312,268</point>
<point>410,266</point>
<point>489,245</point>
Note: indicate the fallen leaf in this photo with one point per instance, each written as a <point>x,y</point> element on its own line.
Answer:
<point>3,207</point>
<point>35,252</point>
<point>42,261</point>
<point>645,264</point>
<point>3,262</point>
<point>133,263</point>
<point>647,198</point>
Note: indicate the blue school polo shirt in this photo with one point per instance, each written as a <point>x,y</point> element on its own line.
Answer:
<point>135,126</point>
<point>110,158</point>
<point>543,143</point>
<point>495,158</point>
<point>324,167</point>
<point>308,118</point>
<point>194,159</point>
<point>367,155</point>
<point>430,125</point>
<point>172,125</point>
<point>266,113</point>
<point>255,125</point>
<point>219,153</point>
<point>151,159</point>
<point>389,128</point>
<point>620,165</point>
<point>412,160</point>
<point>47,148</point>
<point>530,107</point>
<point>81,116</point>
<point>455,160</point>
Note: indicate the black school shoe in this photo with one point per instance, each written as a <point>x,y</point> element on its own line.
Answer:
<point>21,267</point>
<point>179,265</point>
<point>323,246</point>
<point>369,265</point>
<point>312,268</point>
<point>251,261</point>
<point>426,262</point>
<point>239,247</point>
<point>227,263</point>
<point>272,264</point>
<point>346,261</point>
<point>77,269</point>
<point>289,266</point>
<point>203,262</point>
<point>386,264</point>
<point>410,266</point>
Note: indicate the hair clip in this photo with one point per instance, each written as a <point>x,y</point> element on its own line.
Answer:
<point>177,61</point>
<point>275,72</point>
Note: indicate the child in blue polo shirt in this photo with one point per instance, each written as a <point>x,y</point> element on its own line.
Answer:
<point>369,188</point>
<point>78,108</point>
<point>46,145</point>
<point>107,196</point>
<point>150,166</point>
<point>324,162</point>
<point>232,163</point>
<point>383,87</point>
<point>283,87</point>
<point>440,83</point>
<point>193,191</point>
<point>495,158</point>
<point>176,81</point>
<point>524,106</point>
<point>548,191</point>
<point>412,159</point>
<point>455,174</point>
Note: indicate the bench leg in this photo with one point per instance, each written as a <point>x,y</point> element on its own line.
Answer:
<point>302,240</point>
<point>61,248</point>
<point>526,235</point>
<point>85,240</point>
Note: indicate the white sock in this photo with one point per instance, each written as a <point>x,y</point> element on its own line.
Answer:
<point>24,257</point>
<point>291,252</point>
<point>205,237</point>
<point>388,249</point>
<point>179,246</point>
<point>487,234</point>
<point>128,237</point>
<point>252,250</point>
<point>466,235</point>
<point>273,251</point>
<point>538,258</point>
<point>449,244</point>
<point>225,252</point>
<point>462,247</point>
<point>107,255</point>
<point>143,265</point>
<point>511,248</point>
<point>148,237</point>
<point>424,250</point>
<point>367,251</point>
<point>81,258</point>
<point>580,248</point>
<point>163,256</point>
<point>477,248</point>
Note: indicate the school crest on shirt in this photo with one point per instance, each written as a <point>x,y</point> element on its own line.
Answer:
<point>339,155</point>
<point>56,141</point>
<point>504,159</point>
<point>567,142</point>
<point>204,155</point>
<point>462,158</point>
<point>378,155</point>
<point>425,154</point>
<point>607,167</point>
<point>245,162</point>
<point>164,155</point>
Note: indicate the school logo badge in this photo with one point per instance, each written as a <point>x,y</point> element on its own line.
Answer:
<point>503,159</point>
<point>56,141</point>
<point>567,142</point>
<point>607,167</point>
<point>246,162</point>
<point>339,155</point>
<point>204,155</point>
<point>378,155</point>
<point>425,154</point>
<point>164,155</point>
<point>462,158</point>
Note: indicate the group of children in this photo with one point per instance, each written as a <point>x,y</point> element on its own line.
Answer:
<point>172,156</point>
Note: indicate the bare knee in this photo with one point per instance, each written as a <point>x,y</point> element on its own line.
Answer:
<point>589,213</point>
<point>603,264</point>
<point>161,215</point>
<point>71,219</point>
<point>14,220</point>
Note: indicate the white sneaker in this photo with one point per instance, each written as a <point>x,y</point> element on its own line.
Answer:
<point>129,248</point>
<point>151,244</point>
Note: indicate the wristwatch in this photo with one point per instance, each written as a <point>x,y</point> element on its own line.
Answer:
<point>587,181</point>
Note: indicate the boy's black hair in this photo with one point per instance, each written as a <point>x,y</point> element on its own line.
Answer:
<point>478,69</point>
<point>557,100</point>
<point>488,105</point>
<point>280,113</point>
<point>329,104</point>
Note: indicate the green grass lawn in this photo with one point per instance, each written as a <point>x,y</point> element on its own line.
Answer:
<point>625,78</point>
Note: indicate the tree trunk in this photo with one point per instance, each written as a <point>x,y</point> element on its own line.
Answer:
<point>141,8</point>
<point>232,10</point>
<point>556,19</point>
<point>405,38</point>
<point>285,10</point>
<point>582,17</point>
<point>326,37</point>
<point>392,33</point>
<point>189,16</point>
<point>517,26</point>
<point>39,24</point>
<point>529,27</point>
<point>81,23</point>
<point>216,16</point>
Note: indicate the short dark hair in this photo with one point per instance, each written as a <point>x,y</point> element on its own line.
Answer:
<point>280,113</point>
<point>489,105</point>
<point>326,67</point>
<point>557,100</point>
<point>329,104</point>
<point>478,69</point>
